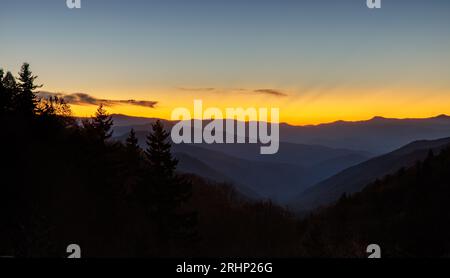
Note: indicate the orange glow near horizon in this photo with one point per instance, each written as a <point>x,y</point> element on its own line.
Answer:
<point>296,109</point>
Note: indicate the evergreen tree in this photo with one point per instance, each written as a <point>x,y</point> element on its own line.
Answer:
<point>167,191</point>
<point>103,123</point>
<point>100,126</point>
<point>8,90</point>
<point>26,98</point>
<point>132,143</point>
<point>133,155</point>
<point>131,167</point>
<point>9,82</point>
<point>158,151</point>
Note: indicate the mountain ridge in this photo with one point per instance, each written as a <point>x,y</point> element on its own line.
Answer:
<point>355,178</point>
<point>125,117</point>
<point>376,136</point>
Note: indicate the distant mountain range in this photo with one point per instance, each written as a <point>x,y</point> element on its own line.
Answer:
<point>315,164</point>
<point>277,177</point>
<point>376,136</point>
<point>355,178</point>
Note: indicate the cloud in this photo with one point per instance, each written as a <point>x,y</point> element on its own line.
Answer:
<point>272,92</point>
<point>196,89</point>
<point>86,99</point>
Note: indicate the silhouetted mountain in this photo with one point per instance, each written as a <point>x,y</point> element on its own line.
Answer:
<point>378,135</point>
<point>269,180</point>
<point>305,156</point>
<point>190,165</point>
<point>355,178</point>
<point>277,177</point>
<point>124,120</point>
<point>407,214</point>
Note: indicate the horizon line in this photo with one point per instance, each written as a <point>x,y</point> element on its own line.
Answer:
<point>442,115</point>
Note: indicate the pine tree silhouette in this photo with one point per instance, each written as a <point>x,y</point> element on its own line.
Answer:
<point>103,123</point>
<point>26,98</point>
<point>9,82</point>
<point>131,166</point>
<point>158,151</point>
<point>8,91</point>
<point>100,126</point>
<point>132,143</point>
<point>167,191</point>
<point>133,156</point>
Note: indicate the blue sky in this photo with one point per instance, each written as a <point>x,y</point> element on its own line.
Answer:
<point>138,48</point>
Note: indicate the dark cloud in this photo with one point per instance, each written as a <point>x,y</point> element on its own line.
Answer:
<point>272,92</point>
<point>196,89</point>
<point>84,99</point>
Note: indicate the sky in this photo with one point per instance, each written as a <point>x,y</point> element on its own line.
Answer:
<point>317,60</point>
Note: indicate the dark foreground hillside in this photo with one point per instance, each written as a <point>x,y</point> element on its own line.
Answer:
<point>407,214</point>
<point>60,187</point>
